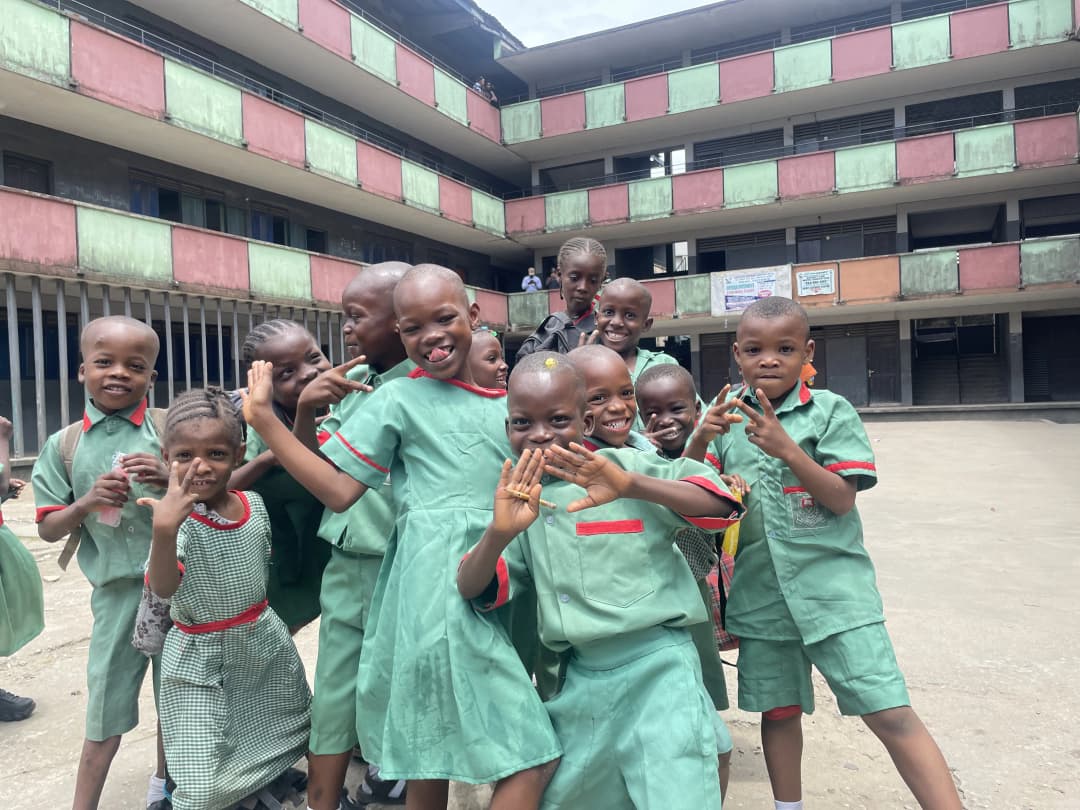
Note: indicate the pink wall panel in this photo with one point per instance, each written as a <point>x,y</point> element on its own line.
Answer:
<point>978,31</point>
<point>1047,141</point>
<point>663,298</point>
<point>864,53</point>
<point>493,307</point>
<point>483,116</point>
<point>746,77</point>
<point>807,175</point>
<point>990,268</point>
<point>921,159</point>
<point>379,172</point>
<point>526,216</point>
<point>562,114</point>
<point>117,71</point>
<point>328,24</point>
<point>416,76</point>
<point>329,277</point>
<point>555,301</point>
<point>273,131</point>
<point>609,204</point>
<point>698,191</point>
<point>455,200</point>
<point>209,259</point>
<point>36,230</point>
<point>646,98</point>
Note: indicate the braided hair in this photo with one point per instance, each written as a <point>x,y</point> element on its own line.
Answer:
<point>205,403</point>
<point>581,244</point>
<point>276,327</point>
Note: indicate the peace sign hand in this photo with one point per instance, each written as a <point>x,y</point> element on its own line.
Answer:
<point>602,481</point>
<point>173,509</point>
<point>764,429</point>
<point>332,386</point>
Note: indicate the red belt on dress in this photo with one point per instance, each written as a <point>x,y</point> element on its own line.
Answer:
<point>247,617</point>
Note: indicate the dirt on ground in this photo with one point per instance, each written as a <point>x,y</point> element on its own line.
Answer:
<point>975,531</point>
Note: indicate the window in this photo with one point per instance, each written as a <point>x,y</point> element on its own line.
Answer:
<point>1051,98</point>
<point>846,240</point>
<point>738,149</point>
<point>384,249</point>
<point>316,240</point>
<point>850,131</point>
<point>270,225</point>
<point>949,114</point>
<point>27,173</point>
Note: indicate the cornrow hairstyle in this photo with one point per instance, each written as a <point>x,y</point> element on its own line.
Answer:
<point>205,403</point>
<point>581,244</point>
<point>249,351</point>
<point>666,371</point>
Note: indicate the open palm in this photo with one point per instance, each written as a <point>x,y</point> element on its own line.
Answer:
<point>602,480</point>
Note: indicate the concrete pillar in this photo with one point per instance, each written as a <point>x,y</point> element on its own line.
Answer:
<point>903,240</point>
<point>897,9</point>
<point>691,255</point>
<point>1012,219</point>
<point>609,165</point>
<point>789,133</point>
<point>532,90</point>
<point>785,35</point>
<point>687,58</point>
<point>899,120</point>
<point>1008,99</point>
<point>605,75</point>
<point>695,359</point>
<point>1016,356</point>
<point>791,245</point>
<point>906,395</point>
<point>535,177</point>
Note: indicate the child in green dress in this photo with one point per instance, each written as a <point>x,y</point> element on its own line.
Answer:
<point>441,693</point>
<point>234,699</point>
<point>486,359</point>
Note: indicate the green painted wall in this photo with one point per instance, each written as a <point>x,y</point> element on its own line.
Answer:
<point>1044,262</point>
<point>286,11</point>
<point>693,88</point>
<point>750,184</point>
<point>985,150</point>
<point>123,245</point>
<point>567,210</point>
<point>420,187</point>
<point>521,122</point>
<point>1032,22</point>
<point>693,294</point>
<point>866,167</point>
<point>279,272</point>
<point>650,199</point>
<point>526,310</point>
<point>489,213</point>
<point>373,50</point>
<point>929,273</point>
<point>605,106</point>
<point>804,65</point>
<point>921,42</point>
<point>203,104</point>
<point>330,152</point>
<point>450,97</point>
<point>35,41</point>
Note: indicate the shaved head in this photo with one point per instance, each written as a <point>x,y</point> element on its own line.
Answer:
<point>425,274</point>
<point>120,325</point>
<point>773,307</point>
<point>629,286</point>
<point>379,279</point>
<point>547,364</point>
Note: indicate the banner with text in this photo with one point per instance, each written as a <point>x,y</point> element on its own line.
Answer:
<point>735,290</point>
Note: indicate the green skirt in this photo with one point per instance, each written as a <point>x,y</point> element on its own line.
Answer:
<point>22,608</point>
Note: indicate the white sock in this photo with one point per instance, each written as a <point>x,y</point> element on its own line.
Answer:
<point>788,805</point>
<point>155,791</point>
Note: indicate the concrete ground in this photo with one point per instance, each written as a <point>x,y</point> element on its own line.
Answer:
<point>975,530</point>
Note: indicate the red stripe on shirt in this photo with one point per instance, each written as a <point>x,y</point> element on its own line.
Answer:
<point>709,457</point>
<point>588,529</point>
<point>247,617</point>
<point>360,455</point>
<point>851,465</point>
<point>713,523</point>
<point>792,490</point>
<point>45,510</point>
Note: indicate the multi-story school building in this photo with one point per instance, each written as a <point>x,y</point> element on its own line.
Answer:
<point>908,170</point>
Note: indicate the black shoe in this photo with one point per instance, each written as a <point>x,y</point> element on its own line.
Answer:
<point>160,804</point>
<point>13,707</point>
<point>376,791</point>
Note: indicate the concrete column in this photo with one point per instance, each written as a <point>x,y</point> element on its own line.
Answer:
<point>1012,219</point>
<point>691,255</point>
<point>899,120</point>
<point>903,240</point>
<point>789,133</point>
<point>532,90</point>
<point>609,164</point>
<point>695,359</point>
<point>896,7</point>
<point>785,35</point>
<point>605,75</point>
<point>791,244</point>
<point>688,156</point>
<point>686,58</point>
<point>906,396</point>
<point>1008,99</point>
<point>535,176</point>
<point>1016,356</point>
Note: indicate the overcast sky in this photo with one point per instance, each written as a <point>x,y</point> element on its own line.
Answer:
<point>539,23</point>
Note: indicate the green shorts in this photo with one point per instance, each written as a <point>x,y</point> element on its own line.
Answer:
<point>637,727</point>
<point>114,668</point>
<point>348,583</point>
<point>859,666</point>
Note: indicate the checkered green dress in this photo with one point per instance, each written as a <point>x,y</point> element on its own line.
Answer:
<point>234,703</point>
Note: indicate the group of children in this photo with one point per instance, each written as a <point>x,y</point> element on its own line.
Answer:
<point>520,599</point>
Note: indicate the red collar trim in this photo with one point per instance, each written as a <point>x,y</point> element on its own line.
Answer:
<point>136,417</point>
<point>592,447</point>
<point>804,392</point>
<point>586,313</point>
<point>490,393</point>
<point>225,526</point>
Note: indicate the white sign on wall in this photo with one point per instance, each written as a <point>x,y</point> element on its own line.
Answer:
<point>816,282</point>
<point>735,290</point>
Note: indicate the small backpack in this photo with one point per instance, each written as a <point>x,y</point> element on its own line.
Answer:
<point>556,333</point>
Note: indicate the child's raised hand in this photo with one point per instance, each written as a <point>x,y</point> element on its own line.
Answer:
<point>588,338</point>
<point>15,488</point>
<point>259,397</point>
<point>602,481</point>
<point>764,429</point>
<point>736,483</point>
<point>110,489</point>
<point>514,514</point>
<point>332,386</point>
<point>147,469</point>
<point>173,509</point>
<point>7,430</point>
<point>718,419</point>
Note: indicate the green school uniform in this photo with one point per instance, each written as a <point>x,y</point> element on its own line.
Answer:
<point>112,558</point>
<point>358,540</point>
<point>22,610</point>
<point>441,693</point>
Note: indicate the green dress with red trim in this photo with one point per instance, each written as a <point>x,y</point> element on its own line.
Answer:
<point>441,693</point>
<point>22,609</point>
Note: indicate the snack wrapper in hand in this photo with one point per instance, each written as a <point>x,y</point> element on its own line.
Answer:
<point>730,544</point>
<point>110,515</point>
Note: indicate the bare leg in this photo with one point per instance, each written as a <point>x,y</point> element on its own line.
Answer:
<point>522,790</point>
<point>724,770</point>
<point>781,742</point>
<point>326,778</point>
<point>427,794</point>
<point>916,756</point>
<point>93,768</point>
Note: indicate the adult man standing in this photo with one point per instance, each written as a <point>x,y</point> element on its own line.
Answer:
<point>531,282</point>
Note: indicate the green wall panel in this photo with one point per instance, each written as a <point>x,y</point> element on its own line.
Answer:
<point>1032,22</point>
<point>750,184</point>
<point>286,11</point>
<point>201,103</point>
<point>420,187</point>
<point>1044,262</point>
<point>921,42</point>
<point>374,50</point>
<point>693,294</point>
<point>693,88</point>
<point>450,96</point>
<point>650,199</point>
<point>567,210</point>
<point>488,212</point>
<point>605,106</point>
<point>35,41</point>
<point>123,245</point>
<point>521,122</point>
<point>929,273</point>
<point>804,65</point>
<point>865,167</point>
<point>527,309</point>
<point>279,272</point>
<point>985,150</point>
<point>330,152</point>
